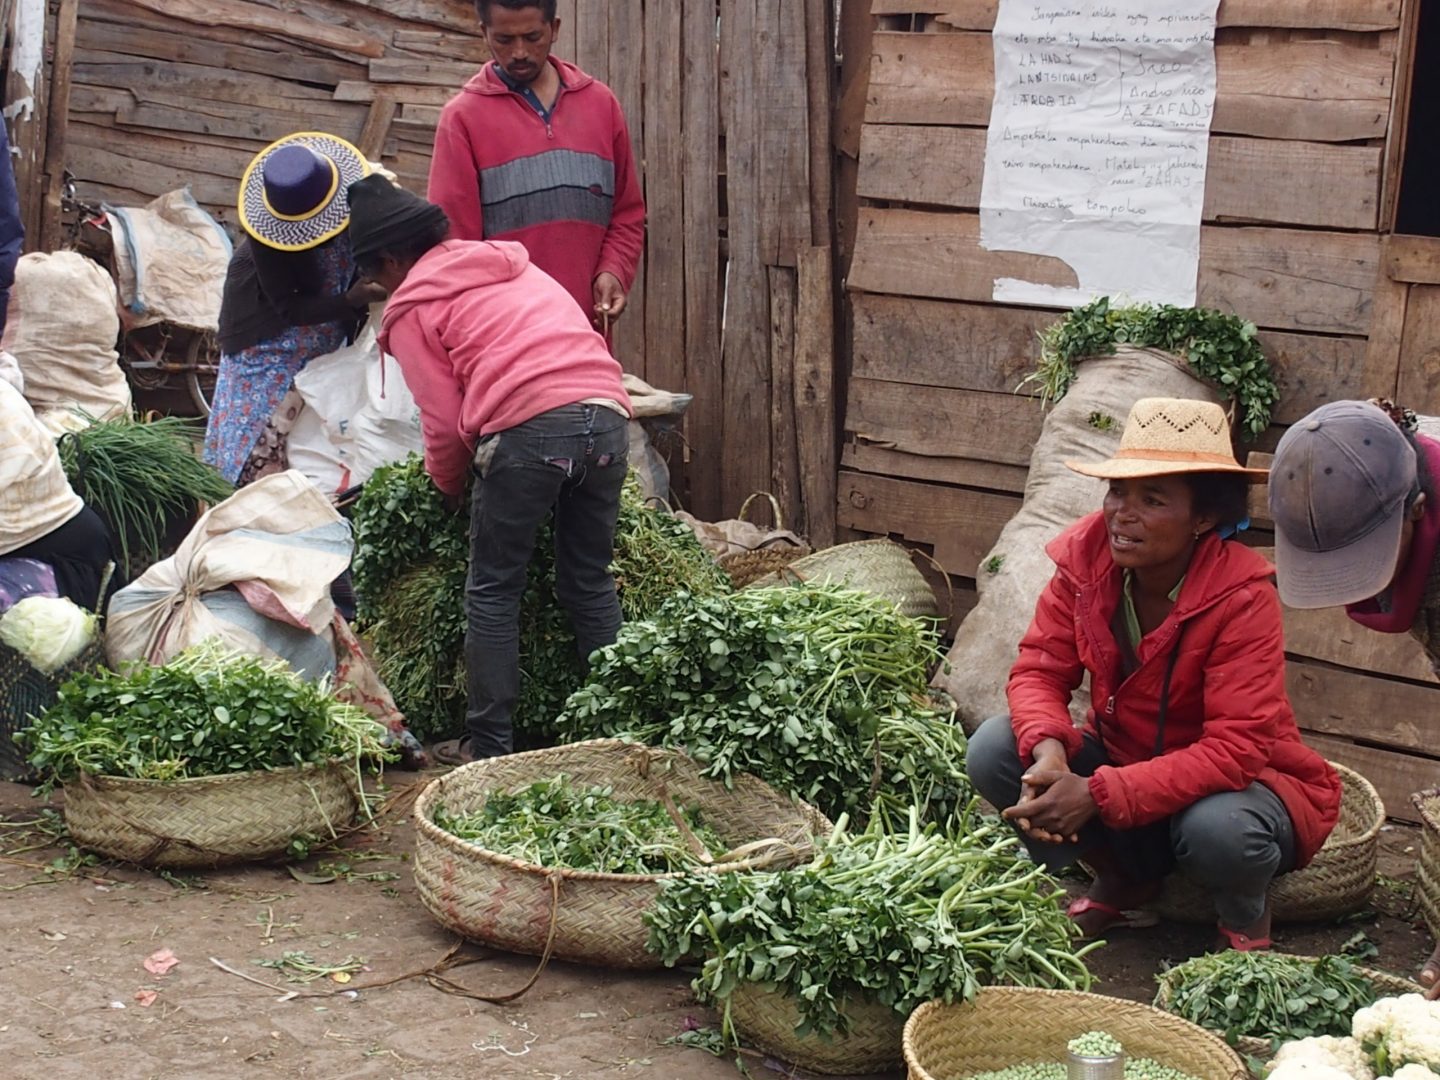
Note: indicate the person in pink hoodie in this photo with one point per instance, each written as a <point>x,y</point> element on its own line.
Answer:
<point>533,149</point>
<point>518,395</point>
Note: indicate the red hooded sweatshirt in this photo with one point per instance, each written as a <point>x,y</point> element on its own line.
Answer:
<point>566,188</point>
<point>1229,721</point>
<point>487,341</point>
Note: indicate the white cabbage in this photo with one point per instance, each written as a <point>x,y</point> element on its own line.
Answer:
<point>47,631</point>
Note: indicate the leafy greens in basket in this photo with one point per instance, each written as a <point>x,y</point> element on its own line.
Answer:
<point>205,713</point>
<point>556,823</point>
<point>897,918</point>
<point>822,692</point>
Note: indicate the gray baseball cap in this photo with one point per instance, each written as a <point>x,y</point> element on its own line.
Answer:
<point>1338,486</point>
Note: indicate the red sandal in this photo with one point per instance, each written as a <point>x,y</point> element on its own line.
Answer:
<point>1240,943</point>
<point>1135,919</point>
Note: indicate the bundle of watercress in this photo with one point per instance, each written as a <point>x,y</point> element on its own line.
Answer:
<point>896,918</point>
<point>1266,995</point>
<point>411,558</point>
<point>205,713</point>
<point>1220,348</point>
<point>818,690</point>
<point>556,823</point>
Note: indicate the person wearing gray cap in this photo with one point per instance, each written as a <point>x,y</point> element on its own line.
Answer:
<point>1357,524</point>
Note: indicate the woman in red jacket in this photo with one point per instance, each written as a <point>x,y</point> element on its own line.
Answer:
<point>1189,758</point>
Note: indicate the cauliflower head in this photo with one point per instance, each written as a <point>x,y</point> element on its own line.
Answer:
<point>1345,1054</point>
<point>1400,1031</point>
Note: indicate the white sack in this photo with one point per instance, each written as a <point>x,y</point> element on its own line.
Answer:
<point>62,327</point>
<point>279,542</point>
<point>171,258</point>
<point>1016,570</point>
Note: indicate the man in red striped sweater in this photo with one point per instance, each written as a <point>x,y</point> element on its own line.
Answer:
<point>535,150</point>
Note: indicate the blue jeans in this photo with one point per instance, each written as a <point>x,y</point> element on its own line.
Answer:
<point>571,460</point>
<point>1231,844</point>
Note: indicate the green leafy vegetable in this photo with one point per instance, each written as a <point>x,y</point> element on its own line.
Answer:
<point>205,713</point>
<point>820,691</point>
<point>1266,995</point>
<point>554,823</point>
<point>896,918</point>
<point>144,478</point>
<point>1221,349</point>
<point>410,568</point>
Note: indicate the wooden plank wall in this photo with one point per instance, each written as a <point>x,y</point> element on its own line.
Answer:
<point>735,300</point>
<point>936,442</point>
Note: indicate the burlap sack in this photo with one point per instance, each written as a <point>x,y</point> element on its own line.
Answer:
<point>1084,425</point>
<point>62,328</point>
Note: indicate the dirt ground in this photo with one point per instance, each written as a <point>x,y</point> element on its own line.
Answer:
<point>77,938</point>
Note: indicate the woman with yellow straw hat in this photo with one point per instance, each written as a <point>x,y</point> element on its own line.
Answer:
<point>290,296</point>
<point>1189,758</point>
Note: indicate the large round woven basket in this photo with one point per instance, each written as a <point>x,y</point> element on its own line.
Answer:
<point>1007,1026</point>
<point>879,567</point>
<point>1427,885</point>
<point>1386,985</point>
<point>1337,882</point>
<point>767,1019</point>
<point>210,820</point>
<point>585,917</point>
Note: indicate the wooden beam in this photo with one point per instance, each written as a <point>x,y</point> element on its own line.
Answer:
<point>933,421</point>
<point>700,135</point>
<point>960,524</point>
<point>165,44</point>
<point>784,451</point>
<point>1419,376</point>
<point>1297,14</point>
<point>1395,775</point>
<point>1330,635</point>
<point>1398,135</point>
<point>1325,91</point>
<point>814,392</point>
<point>243,15</point>
<point>663,155</point>
<point>1298,281</point>
<point>1415,259</point>
<point>746,331</point>
<point>1259,180</point>
<point>819,99</point>
<point>377,126</point>
<point>967,472</point>
<point>626,80</point>
<point>62,67</point>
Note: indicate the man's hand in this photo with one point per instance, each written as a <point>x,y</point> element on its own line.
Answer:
<point>455,503</point>
<point>610,298</point>
<point>1058,812</point>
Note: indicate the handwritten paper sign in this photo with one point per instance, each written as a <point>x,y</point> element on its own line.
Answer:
<point>1097,146</point>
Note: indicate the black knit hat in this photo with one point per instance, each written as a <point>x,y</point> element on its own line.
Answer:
<point>382,215</point>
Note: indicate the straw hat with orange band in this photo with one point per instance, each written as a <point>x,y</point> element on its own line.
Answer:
<point>1166,436</point>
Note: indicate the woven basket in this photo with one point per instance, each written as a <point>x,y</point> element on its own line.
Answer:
<point>747,567</point>
<point>1337,882</point>
<point>596,918</point>
<point>880,567</point>
<point>1006,1026</point>
<point>211,820</point>
<point>25,693</point>
<point>1427,885</point>
<point>1386,985</point>
<point>767,1019</point>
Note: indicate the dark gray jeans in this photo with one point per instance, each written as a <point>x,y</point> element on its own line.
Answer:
<point>571,460</point>
<point>1231,844</point>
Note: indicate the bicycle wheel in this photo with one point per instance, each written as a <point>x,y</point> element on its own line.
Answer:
<point>195,351</point>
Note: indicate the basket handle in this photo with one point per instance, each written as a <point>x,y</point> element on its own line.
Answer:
<point>774,507</point>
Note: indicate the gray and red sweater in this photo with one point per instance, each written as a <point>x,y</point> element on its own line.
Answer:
<point>564,186</point>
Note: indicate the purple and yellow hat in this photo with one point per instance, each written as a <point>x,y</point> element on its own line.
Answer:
<point>292,196</point>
